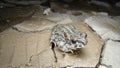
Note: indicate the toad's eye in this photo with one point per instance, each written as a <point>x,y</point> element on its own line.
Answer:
<point>73,41</point>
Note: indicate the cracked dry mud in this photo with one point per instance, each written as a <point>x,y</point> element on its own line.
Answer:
<point>32,49</point>
<point>108,29</point>
<point>26,45</point>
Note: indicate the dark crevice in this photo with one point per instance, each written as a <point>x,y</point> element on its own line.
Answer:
<point>101,56</point>
<point>107,66</point>
<point>14,28</point>
<point>115,40</point>
<point>103,46</point>
<point>29,61</point>
<point>17,29</point>
<point>90,27</point>
<point>93,30</point>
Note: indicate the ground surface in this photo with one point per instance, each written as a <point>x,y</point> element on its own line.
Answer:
<point>25,33</point>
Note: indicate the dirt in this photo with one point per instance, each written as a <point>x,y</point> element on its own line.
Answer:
<point>10,16</point>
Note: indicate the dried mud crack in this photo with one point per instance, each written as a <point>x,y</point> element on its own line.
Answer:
<point>16,29</point>
<point>103,45</point>
<point>100,58</point>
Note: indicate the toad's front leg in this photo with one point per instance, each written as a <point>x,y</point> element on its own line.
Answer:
<point>52,47</point>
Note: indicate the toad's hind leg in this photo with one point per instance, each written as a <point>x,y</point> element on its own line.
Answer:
<point>52,47</point>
